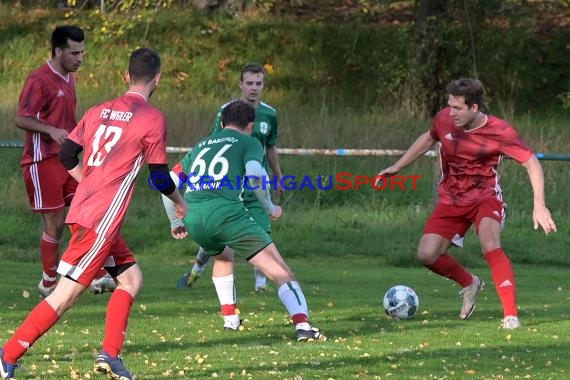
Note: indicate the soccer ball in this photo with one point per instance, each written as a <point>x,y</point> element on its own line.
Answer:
<point>401,302</point>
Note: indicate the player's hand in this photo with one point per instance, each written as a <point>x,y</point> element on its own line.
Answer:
<point>181,209</point>
<point>386,173</point>
<point>541,217</point>
<point>276,214</point>
<point>179,232</point>
<point>58,135</point>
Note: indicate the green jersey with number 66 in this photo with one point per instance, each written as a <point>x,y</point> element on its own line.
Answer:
<point>216,166</point>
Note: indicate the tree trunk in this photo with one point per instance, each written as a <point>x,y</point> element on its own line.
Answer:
<point>430,19</point>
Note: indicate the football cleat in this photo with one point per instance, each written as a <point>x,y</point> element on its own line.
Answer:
<point>311,335</point>
<point>6,370</point>
<point>231,326</point>
<point>511,322</point>
<point>261,289</point>
<point>188,279</point>
<point>103,284</point>
<point>45,290</point>
<point>469,294</point>
<point>112,367</point>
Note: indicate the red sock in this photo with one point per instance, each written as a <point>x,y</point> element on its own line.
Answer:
<point>38,322</point>
<point>118,311</point>
<point>504,279</point>
<point>49,249</point>
<point>447,266</point>
<point>300,318</point>
<point>229,309</point>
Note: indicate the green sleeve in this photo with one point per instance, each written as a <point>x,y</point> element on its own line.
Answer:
<point>254,151</point>
<point>272,138</point>
<point>217,125</point>
<point>186,162</point>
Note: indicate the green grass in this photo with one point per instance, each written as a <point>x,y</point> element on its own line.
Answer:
<point>346,247</point>
<point>181,335</point>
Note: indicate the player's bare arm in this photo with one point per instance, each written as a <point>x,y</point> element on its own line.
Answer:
<point>76,173</point>
<point>31,124</point>
<point>422,144</point>
<point>273,160</point>
<point>540,215</point>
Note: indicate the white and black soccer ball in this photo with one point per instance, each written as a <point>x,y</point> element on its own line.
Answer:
<point>401,302</point>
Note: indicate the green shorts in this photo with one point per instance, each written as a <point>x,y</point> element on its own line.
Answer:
<point>217,223</point>
<point>256,210</point>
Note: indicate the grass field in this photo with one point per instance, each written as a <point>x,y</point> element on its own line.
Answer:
<point>347,249</point>
<point>181,335</point>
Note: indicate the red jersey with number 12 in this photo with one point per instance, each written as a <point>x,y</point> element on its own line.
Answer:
<point>117,137</point>
<point>470,158</point>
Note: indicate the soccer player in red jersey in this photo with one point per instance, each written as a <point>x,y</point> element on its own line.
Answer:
<point>46,111</point>
<point>472,144</point>
<point>117,137</point>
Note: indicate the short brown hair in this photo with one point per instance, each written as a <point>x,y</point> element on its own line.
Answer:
<point>144,64</point>
<point>254,68</point>
<point>238,113</point>
<point>472,90</point>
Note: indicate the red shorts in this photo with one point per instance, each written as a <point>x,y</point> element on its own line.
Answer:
<point>88,252</point>
<point>50,187</point>
<point>452,222</point>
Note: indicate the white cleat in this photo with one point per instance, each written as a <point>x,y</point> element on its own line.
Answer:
<point>511,322</point>
<point>45,291</point>
<point>470,294</point>
<point>103,284</point>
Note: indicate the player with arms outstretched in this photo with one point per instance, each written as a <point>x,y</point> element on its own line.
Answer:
<point>472,146</point>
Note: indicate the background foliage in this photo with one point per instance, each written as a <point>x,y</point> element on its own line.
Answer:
<point>341,75</point>
<point>318,52</point>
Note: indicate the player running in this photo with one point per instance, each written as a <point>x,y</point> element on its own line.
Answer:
<point>117,137</point>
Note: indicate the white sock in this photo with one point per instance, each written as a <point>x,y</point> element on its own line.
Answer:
<point>293,299</point>
<point>303,326</point>
<point>225,289</point>
<point>232,320</point>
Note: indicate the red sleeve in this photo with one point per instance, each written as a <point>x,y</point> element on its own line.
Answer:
<point>437,123</point>
<point>179,171</point>
<point>514,146</point>
<point>32,99</point>
<point>154,141</point>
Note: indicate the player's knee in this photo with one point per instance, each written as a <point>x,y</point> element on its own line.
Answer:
<point>130,279</point>
<point>426,256</point>
<point>488,247</point>
<point>53,230</point>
